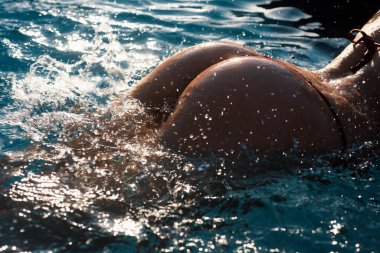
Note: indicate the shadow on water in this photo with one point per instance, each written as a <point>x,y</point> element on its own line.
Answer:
<point>81,175</point>
<point>337,17</point>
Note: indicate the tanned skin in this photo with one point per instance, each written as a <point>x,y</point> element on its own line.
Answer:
<point>218,97</point>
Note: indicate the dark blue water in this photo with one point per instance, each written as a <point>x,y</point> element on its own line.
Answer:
<point>81,172</point>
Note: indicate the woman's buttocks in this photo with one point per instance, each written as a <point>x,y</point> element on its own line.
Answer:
<point>250,102</point>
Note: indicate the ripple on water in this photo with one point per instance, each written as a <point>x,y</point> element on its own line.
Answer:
<point>83,173</point>
<point>289,14</point>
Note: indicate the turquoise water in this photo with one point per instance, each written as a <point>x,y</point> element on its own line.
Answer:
<point>81,173</point>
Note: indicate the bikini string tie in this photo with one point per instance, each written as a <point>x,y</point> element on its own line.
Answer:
<point>370,47</point>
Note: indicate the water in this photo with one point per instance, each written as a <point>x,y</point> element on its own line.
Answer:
<point>81,172</point>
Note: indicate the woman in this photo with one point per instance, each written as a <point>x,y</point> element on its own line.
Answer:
<point>217,98</point>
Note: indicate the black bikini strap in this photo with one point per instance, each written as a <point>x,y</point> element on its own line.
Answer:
<point>343,136</point>
<point>370,47</point>
<point>324,98</point>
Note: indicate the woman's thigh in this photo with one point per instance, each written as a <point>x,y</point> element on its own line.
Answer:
<point>253,103</point>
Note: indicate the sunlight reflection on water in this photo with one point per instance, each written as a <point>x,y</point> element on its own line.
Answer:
<point>86,174</point>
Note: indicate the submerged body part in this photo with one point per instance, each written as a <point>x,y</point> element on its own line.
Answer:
<point>219,98</point>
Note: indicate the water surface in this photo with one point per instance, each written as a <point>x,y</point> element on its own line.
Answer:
<point>79,176</point>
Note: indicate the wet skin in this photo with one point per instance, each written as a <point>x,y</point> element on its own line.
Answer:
<point>220,98</point>
<point>223,97</point>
